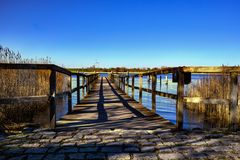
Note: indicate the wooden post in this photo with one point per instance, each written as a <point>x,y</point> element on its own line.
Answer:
<point>180,94</point>
<point>124,81</point>
<point>127,83</point>
<point>119,82</point>
<point>133,87</point>
<point>87,87</point>
<point>154,92</point>
<point>233,107</point>
<point>140,88</point>
<point>160,82</point>
<point>52,118</point>
<point>70,95</point>
<point>89,83</point>
<point>78,90</point>
<point>83,88</point>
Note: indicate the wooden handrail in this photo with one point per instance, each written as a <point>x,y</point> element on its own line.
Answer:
<point>35,67</point>
<point>233,71</point>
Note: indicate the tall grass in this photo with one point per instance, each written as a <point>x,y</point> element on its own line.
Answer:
<point>21,83</point>
<point>213,87</point>
<point>9,56</point>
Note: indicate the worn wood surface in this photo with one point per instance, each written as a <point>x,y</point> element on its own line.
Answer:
<point>180,104</point>
<point>106,107</point>
<point>154,83</point>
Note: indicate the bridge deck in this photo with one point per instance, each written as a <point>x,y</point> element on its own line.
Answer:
<point>106,107</point>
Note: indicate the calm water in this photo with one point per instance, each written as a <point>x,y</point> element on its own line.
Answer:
<point>165,107</point>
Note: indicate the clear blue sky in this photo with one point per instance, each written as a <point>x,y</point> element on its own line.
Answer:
<point>130,33</point>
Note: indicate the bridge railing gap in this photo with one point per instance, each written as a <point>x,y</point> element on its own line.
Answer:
<point>182,76</point>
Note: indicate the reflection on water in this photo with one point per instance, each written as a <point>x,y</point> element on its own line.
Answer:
<point>61,105</point>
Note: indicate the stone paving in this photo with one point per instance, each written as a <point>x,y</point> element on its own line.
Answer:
<point>120,144</point>
<point>108,125</point>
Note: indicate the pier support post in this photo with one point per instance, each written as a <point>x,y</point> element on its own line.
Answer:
<point>140,88</point>
<point>233,106</point>
<point>180,94</point>
<point>160,82</point>
<point>154,77</point>
<point>52,114</point>
<point>83,88</point>
<point>133,87</point>
<point>87,85</point>
<point>124,81</point>
<point>119,82</point>
<point>78,89</point>
<point>127,83</point>
<point>70,95</point>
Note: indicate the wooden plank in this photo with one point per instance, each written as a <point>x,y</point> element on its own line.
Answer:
<point>76,88</point>
<point>154,77</point>
<point>179,107</point>
<point>233,107</point>
<point>194,69</point>
<point>212,69</point>
<point>35,67</point>
<point>12,100</point>
<point>205,100</point>
<point>52,118</point>
<point>140,88</point>
<point>80,74</point>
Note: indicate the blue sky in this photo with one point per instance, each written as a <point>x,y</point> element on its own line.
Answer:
<point>130,33</point>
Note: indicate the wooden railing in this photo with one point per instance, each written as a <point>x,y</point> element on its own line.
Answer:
<point>182,75</point>
<point>87,82</point>
<point>50,96</point>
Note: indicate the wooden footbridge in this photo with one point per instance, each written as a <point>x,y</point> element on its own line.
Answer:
<point>105,103</point>
<point>107,123</point>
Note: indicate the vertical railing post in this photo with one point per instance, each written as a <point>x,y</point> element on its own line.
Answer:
<point>87,84</point>
<point>233,106</point>
<point>119,82</point>
<point>127,83</point>
<point>124,81</point>
<point>140,88</point>
<point>154,92</point>
<point>52,118</point>
<point>78,89</point>
<point>160,82</point>
<point>133,87</point>
<point>70,95</point>
<point>180,98</point>
<point>83,88</point>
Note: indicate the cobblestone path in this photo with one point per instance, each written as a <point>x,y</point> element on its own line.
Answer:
<point>108,124</point>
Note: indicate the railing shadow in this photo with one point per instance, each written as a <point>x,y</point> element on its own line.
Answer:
<point>125,103</point>
<point>102,114</point>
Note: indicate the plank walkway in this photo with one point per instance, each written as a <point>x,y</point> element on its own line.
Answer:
<point>105,107</point>
<point>108,124</point>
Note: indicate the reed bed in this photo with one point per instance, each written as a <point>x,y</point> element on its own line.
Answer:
<point>21,83</point>
<point>214,87</point>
